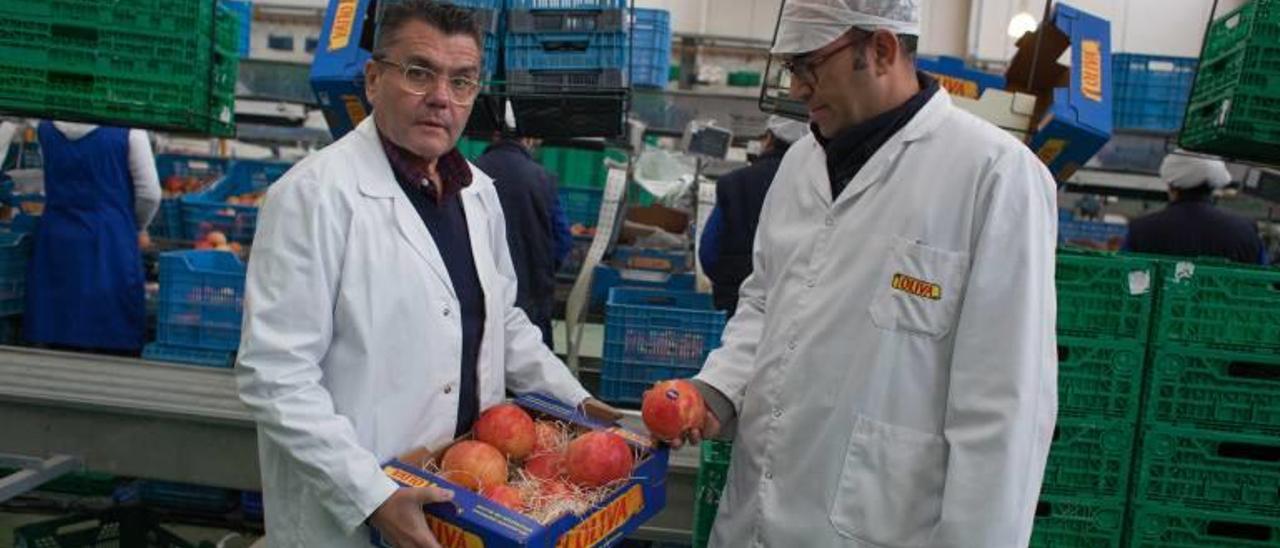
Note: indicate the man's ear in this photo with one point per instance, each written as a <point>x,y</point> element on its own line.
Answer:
<point>885,49</point>
<point>372,79</point>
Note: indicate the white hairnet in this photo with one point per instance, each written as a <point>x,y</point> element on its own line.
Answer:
<point>1182,171</point>
<point>808,25</point>
<point>786,129</point>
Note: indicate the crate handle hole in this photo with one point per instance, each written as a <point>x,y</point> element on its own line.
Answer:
<point>1242,531</point>
<point>1257,371</point>
<point>1249,451</point>
<point>1044,509</point>
<point>1064,353</point>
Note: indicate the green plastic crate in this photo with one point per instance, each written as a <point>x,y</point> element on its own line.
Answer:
<point>744,79</point>
<point>713,471</point>
<point>1211,471</point>
<point>1105,296</point>
<point>131,527</point>
<point>1247,70</point>
<point>1214,390</point>
<point>1090,459</point>
<point>577,167</point>
<point>1221,306</point>
<point>472,148</point>
<point>1172,527</point>
<point>157,17</point>
<point>1255,21</point>
<point>1065,522</point>
<point>1100,379</point>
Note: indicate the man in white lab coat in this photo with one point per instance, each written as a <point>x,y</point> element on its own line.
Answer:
<point>890,375</point>
<point>380,301</point>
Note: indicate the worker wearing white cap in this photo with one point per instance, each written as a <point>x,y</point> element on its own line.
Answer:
<point>890,374</point>
<point>725,244</point>
<point>1192,226</point>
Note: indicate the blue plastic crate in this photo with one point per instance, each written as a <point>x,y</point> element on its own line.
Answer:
<point>1151,91</point>
<point>201,300</point>
<point>208,211</point>
<point>251,505</point>
<point>566,51</point>
<point>581,205</point>
<point>652,335</point>
<point>650,48</point>
<point>959,79</point>
<point>177,496</point>
<point>160,352</point>
<point>168,221</point>
<point>663,260</point>
<point>1109,235</point>
<point>608,277</point>
<point>566,4</point>
<point>15,249</point>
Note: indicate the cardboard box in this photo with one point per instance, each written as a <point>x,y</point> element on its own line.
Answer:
<point>1074,103</point>
<point>474,521</point>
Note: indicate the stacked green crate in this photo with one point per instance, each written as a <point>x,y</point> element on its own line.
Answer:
<point>1104,318</point>
<point>713,472</point>
<point>165,64</point>
<point>1235,105</point>
<point>1209,472</point>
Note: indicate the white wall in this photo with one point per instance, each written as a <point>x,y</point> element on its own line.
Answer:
<point>1155,27</point>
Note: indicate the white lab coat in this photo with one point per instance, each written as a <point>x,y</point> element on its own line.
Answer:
<point>353,339</point>
<point>868,415</point>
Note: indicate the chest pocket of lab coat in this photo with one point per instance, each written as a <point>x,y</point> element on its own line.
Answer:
<point>921,289</point>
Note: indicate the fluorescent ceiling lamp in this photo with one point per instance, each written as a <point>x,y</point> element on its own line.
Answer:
<point>1021,24</point>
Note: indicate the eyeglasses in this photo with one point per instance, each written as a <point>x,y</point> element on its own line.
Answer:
<point>804,67</point>
<point>420,80</point>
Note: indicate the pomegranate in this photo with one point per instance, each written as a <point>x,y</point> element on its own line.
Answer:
<point>598,458</point>
<point>505,495</point>
<point>545,466</point>
<point>672,408</point>
<point>508,428</point>
<point>474,465</point>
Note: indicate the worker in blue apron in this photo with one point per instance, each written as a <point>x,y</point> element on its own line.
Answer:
<point>85,280</point>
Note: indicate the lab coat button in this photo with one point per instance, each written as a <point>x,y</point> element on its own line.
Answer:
<point>830,221</point>
<point>777,413</point>
<point>447,312</point>
<point>768,475</point>
<point>791,345</point>
<point>811,283</point>
<point>448,389</point>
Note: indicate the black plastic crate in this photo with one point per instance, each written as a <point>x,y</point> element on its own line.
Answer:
<point>550,81</point>
<point>572,115</point>
<point>125,527</point>
<point>528,21</point>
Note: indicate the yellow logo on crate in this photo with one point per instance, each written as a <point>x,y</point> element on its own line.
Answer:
<point>957,86</point>
<point>355,109</point>
<point>405,477</point>
<point>1051,150</point>
<point>605,521</point>
<point>1091,70</point>
<point>344,19</point>
<point>916,287</point>
<point>452,536</point>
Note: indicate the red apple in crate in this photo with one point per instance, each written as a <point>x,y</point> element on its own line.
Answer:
<point>505,495</point>
<point>546,437</point>
<point>507,427</point>
<point>474,465</point>
<point>672,408</point>
<point>545,466</point>
<point>598,458</point>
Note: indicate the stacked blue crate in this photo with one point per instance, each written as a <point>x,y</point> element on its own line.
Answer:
<point>650,48</point>
<point>1092,234</point>
<point>1151,91</point>
<point>199,308</point>
<point>563,44</point>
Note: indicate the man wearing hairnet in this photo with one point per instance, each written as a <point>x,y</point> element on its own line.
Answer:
<point>725,245</point>
<point>890,375</point>
<point>1191,226</point>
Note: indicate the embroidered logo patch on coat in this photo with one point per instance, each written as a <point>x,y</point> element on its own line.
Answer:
<point>917,287</point>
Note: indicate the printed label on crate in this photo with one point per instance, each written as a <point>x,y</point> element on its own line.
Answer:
<point>1091,70</point>
<point>452,536</point>
<point>344,19</point>
<point>1139,282</point>
<point>957,86</point>
<point>1184,271</point>
<point>1051,150</point>
<point>604,522</point>
<point>916,287</point>
<point>355,109</point>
